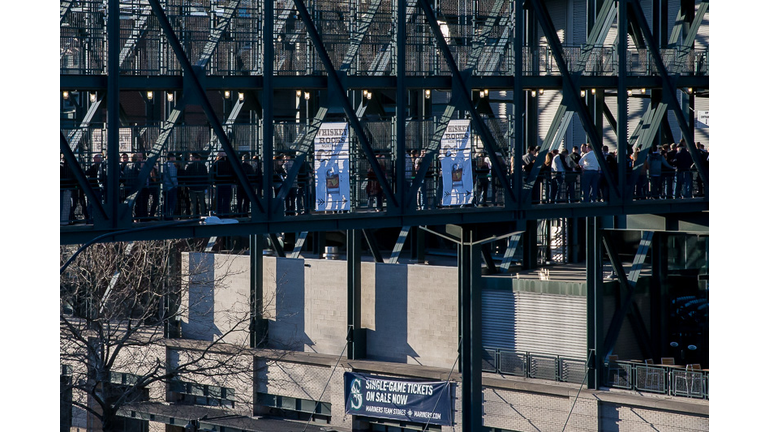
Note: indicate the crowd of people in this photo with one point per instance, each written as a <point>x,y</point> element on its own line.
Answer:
<point>191,185</point>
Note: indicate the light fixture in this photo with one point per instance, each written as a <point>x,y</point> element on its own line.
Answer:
<point>150,95</point>
<point>93,97</point>
<point>482,94</point>
<point>594,91</point>
<point>629,92</point>
<point>541,92</point>
<point>533,93</point>
<point>365,94</point>
<point>240,96</point>
<point>427,93</point>
<point>369,95</point>
<point>306,95</point>
<point>583,93</point>
<point>298,93</point>
<point>642,90</point>
<point>690,90</point>
<point>169,96</point>
<point>65,94</point>
<point>486,92</point>
<point>227,94</point>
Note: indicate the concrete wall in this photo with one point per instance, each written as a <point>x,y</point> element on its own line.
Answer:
<point>410,311</point>
<point>215,304</point>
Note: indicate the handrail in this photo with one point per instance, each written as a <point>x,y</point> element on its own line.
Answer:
<point>623,374</point>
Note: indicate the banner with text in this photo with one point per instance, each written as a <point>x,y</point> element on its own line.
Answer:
<point>332,167</point>
<point>398,399</point>
<point>456,164</point>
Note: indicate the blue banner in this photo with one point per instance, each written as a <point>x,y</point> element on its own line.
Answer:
<point>398,399</point>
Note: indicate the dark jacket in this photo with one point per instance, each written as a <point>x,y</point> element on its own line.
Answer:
<point>682,161</point>
<point>195,176</point>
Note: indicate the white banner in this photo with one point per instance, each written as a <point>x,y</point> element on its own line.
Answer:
<point>456,164</point>
<point>332,167</point>
<point>703,118</point>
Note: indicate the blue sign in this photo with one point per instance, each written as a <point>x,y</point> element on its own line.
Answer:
<point>397,399</point>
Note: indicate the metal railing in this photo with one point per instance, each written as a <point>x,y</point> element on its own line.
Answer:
<point>549,188</point>
<point>145,49</point>
<point>533,365</point>
<point>673,380</point>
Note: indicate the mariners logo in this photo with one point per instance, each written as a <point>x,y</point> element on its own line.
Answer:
<point>355,394</point>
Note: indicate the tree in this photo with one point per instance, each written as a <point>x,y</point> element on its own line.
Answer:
<point>121,306</point>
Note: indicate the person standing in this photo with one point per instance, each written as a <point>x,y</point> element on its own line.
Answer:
<point>558,176</point>
<point>590,175</point>
<point>656,165</point>
<point>222,179</point>
<point>482,180</point>
<point>170,186</point>
<point>682,163</point>
<point>196,176</point>
<point>243,204</point>
<point>97,178</point>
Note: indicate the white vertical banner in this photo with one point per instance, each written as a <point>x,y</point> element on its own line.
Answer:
<point>332,167</point>
<point>456,164</point>
<point>703,118</point>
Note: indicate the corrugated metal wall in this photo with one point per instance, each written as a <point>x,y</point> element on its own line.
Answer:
<point>535,322</point>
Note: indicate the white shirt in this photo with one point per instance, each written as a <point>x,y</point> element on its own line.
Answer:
<point>588,162</point>
<point>557,164</point>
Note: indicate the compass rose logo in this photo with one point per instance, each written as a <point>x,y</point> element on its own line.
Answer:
<point>355,394</point>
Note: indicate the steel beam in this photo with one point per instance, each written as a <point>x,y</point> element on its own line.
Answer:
<point>258,327</point>
<point>336,85</point>
<point>113,115</point>
<point>571,92</point>
<point>564,114</point>
<point>191,75</point>
<point>627,307</point>
<point>670,91</point>
<point>399,245</point>
<point>299,244</point>
<point>82,180</point>
<point>470,325</point>
<point>466,99</point>
<point>595,334</point>
<point>356,347</point>
<point>370,239</point>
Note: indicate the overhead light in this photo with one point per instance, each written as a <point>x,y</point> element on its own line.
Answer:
<point>369,95</point>
<point>298,93</point>
<point>240,96</point>
<point>169,96</point>
<point>583,93</point>
<point>482,93</point>
<point>486,92</point>
<point>65,94</point>
<point>93,97</point>
<point>594,91</point>
<point>365,94</point>
<point>629,92</point>
<point>690,90</point>
<point>642,90</point>
<point>427,93</point>
<point>541,91</point>
<point>150,94</point>
<point>306,95</point>
<point>533,93</point>
<point>227,94</point>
